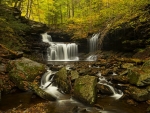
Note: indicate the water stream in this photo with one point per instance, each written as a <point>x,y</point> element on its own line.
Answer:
<point>65,103</point>
<point>116,94</point>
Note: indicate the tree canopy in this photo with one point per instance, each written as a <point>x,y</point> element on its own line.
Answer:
<point>86,14</point>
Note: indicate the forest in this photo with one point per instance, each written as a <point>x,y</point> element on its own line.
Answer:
<point>85,15</point>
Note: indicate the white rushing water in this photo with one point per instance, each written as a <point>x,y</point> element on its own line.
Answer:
<point>93,42</point>
<point>102,80</point>
<point>59,51</point>
<point>47,86</point>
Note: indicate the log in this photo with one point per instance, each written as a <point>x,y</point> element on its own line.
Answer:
<point>130,60</point>
<point>11,54</point>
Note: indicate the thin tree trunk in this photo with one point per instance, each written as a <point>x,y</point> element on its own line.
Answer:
<point>61,16</point>
<point>38,11</point>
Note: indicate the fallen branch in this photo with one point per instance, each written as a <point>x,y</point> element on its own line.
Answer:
<point>130,60</point>
<point>12,54</point>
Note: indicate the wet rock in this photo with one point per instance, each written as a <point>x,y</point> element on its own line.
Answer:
<point>139,94</point>
<point>120,79</point>
<point>146,66</point>
<point>75,109</point>
<point>138,77</point>
<point>41,92</point>
<point>148,110</point>
<point>85,89</point>
<point>2,68</point>
<point>103,89</point>
<point>24,69</point>
<point>83,71</point>
<point>99,106</point>
<point>131,102</point>
<point>74,75</point>
<point>127,65</point>
<point>61,80</point>
<point>0,86</point>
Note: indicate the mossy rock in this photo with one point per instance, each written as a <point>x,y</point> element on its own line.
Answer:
<point>85,89</point>
<point>140,76</point>
<point>74,75</point>
<point>139,94</point>
<point>24,69</point>
<point>61,80</point>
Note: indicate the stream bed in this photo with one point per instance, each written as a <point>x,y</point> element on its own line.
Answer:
<point>69,105</point>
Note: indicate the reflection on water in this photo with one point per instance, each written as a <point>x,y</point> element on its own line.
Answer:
<point>69,105</point>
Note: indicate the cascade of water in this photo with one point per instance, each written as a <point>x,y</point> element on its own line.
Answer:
<point>93,42</point>
<point>60,51</point>
<point>46,84</point>
<point>102,80</point>
<point>46,38</point>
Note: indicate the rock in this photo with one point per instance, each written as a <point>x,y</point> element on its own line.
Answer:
<point>74,75</point>
<point>148,109</point>
<point>61,80</point>
<point>127,65</point>
<point>83,71</point>
<point>41,92</point>
<point>120,78</point>
<point>103,89</point>
<point>1,83</point>
<point>24,69</point>
<point>138,77</point>
<point>24,73</point>
<point>2,68</point>
<point>146,66</point>
<point>139,94</point>
<point>85,89</point>
<point>99,106</point>
<point>131,102</point>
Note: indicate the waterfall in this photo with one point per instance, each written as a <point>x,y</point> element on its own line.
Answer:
<point>93,42</point>
<point>103,81</point>
<point>46,38</point>
<point>93,46</point>
<point>46,84</point>
<point>60,51</point>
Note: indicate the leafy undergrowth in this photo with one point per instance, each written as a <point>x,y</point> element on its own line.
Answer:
<point>11,28</point>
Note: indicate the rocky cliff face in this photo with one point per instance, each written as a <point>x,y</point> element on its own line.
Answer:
<point>128,35</point>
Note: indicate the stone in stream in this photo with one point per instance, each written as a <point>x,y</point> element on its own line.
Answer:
<point>85,89</point>
<point>25,74</point>
<point>140,76</point>
<point>139,94</point>
<point>61,79</point>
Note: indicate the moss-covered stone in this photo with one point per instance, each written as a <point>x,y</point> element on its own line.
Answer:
<point>139,94</point>
<point>140,76</point>
<point>74,75</point>
<point>24,69</point>
<point>85,89</point>
<point>61,80</point>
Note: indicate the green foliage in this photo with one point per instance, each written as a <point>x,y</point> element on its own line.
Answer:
<point>91,14</point>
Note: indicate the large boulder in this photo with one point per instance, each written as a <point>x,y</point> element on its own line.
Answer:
<point>61,79</point>
<point>24,69</point>
<point>85,89</point>
<point>139,94</point>
<point>140,76</point>
<point>104,89</point>
<point>25,74</point>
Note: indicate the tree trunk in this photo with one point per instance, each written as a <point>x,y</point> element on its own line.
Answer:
<point>29,8</point>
